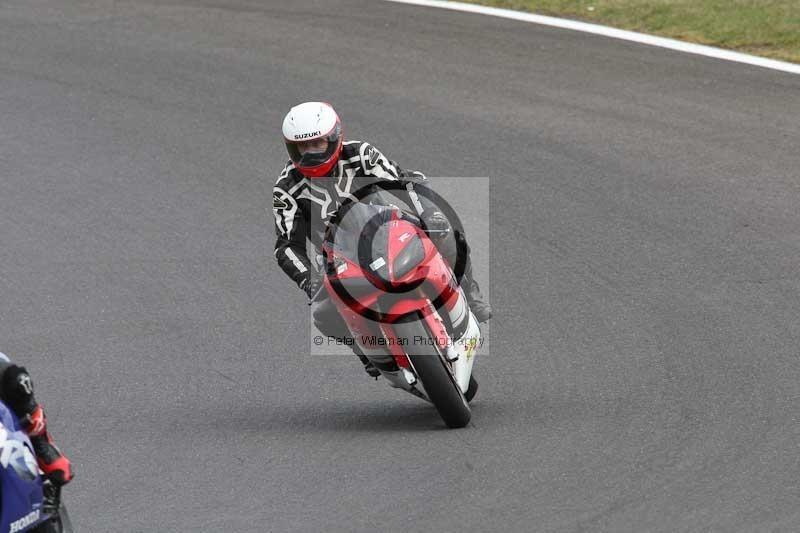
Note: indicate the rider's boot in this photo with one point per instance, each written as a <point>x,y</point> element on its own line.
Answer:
<point>17,388</point>
<point>479,306</point>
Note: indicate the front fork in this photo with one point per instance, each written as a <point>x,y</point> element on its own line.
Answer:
<point>459,353</point>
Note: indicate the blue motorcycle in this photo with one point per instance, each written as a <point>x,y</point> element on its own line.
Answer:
<point>28,502</point>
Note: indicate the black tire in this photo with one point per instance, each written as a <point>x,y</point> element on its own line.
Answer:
<point>472,389</point>
<point>432,370</point>
<point>51,526</point>
<point>59,523</point>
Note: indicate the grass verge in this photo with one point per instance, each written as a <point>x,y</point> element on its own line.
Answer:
<point>769,28</point>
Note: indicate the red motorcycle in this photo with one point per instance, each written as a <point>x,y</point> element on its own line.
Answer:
<point>403,305</point>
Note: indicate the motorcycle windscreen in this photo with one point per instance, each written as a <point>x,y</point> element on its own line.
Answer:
<point>361,236</point>
<point>409,257</point>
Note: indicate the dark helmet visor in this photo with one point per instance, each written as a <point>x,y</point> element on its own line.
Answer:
<point>306,159</point>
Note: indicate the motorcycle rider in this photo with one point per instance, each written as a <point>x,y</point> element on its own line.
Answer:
<point>323,171</point>
<point>16,391</point>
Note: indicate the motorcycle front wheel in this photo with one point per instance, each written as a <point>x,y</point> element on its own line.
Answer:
<point>435,374</point>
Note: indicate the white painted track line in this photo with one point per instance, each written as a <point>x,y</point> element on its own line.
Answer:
<point>661,42</point>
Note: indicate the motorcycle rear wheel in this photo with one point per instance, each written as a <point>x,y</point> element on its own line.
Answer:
<point>59,521</point>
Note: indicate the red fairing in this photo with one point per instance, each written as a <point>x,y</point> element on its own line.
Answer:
<point>433,269</point>
<point>349,270</point>
<point>399,355</point>
<point>399,232</point>
<point>435,326</point>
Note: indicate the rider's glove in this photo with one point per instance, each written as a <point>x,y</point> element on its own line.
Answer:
<point>437,225</point>
<point>311,285</point>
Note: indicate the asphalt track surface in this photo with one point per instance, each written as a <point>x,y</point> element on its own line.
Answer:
<point>645,242</point>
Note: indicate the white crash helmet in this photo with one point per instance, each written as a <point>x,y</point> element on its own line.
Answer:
<point>311,121</point>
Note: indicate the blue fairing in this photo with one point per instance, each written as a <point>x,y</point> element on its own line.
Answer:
<point>20,482</point>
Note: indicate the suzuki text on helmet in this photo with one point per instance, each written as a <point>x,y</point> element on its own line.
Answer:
<point>313,135</point>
